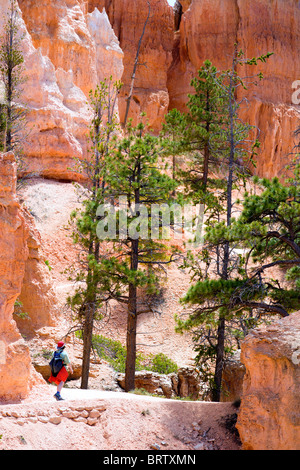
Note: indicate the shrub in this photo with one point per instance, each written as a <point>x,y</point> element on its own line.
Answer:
<point>163,365</point>
<point>115,354</point>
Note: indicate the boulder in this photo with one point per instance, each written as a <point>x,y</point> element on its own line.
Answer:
<point>152,382</point>
<point>269,417</point>
<point>184,383</point>
<point>232,378</point>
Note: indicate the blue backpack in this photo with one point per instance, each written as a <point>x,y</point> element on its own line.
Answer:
<point>56,363</point>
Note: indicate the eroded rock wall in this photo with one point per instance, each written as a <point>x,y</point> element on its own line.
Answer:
<point>70,45</point>
<point>208,29</point>
<point>38,299</point>
<point>66,52</point>
<point>74,39</point>
<point>269,417</point>
<point>16,372</point>
<point>150,86</point>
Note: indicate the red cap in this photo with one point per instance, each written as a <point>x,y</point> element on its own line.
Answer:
<point>60,344</point>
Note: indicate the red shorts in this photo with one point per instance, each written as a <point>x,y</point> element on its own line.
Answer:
<point>61,376</point>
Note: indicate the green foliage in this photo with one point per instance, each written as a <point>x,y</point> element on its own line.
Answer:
<point>197,134</point>
<point>218,321</point>
<point>11,57</point>
<point>163,365</point>
<point>143,392</point>
<point>47,354</point>
<point>48,265</point>
<point>18,310</point>
<point>115,354</point>
<point>269,230</point>
<point>135,169</point>
<point>13,119</point>
<point>269,226</point>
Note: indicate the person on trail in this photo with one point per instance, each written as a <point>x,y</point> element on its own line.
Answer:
<point>60,378</point>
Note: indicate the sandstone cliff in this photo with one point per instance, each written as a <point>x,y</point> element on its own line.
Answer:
<point>38,298</point>
<point>208,29</point>
<point>269,414</point>
<point>70,46</point>
<point>74,39</point>
<point>16,372</point>
<point>66,52</point>
<point>150,86</point>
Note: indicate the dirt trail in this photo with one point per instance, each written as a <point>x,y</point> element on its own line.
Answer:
<point>99,420</point>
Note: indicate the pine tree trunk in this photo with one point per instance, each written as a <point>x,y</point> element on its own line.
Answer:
<point>131,340</point>
<point>221,323</point>
<point>131,323</point>
<point>206,147</point>
<point>205,167</point>
<point>88,322</point>
<point>87,344</point>
<point>219,360</point>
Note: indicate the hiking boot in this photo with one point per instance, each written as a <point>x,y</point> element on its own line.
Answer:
<point>58,396</point>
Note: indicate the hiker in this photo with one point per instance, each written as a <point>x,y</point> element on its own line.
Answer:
<point>60,377</point>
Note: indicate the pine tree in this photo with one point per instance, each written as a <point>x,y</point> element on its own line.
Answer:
<point>196,134</point>
<point>204,122</point>
<point>12,75</point>
<point>89,299</point>
<point>269,230</point>
<point>119,263</point>
<point>236,150</point>
<point>269,227</point>
<point>135,174</point>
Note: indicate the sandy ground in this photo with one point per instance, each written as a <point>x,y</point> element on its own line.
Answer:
<point>128,422</point>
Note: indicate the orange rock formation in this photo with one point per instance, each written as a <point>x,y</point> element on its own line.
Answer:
<point>74,40</point>
<point>16,371</point>
<point>66,53</point>
<point>38,298</point>
<point>210,28</point>
<point>269,414</point>
<point>150,86</point>
<point>71,45</point>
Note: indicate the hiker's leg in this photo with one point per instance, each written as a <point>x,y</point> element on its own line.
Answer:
<point>60,386</point>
